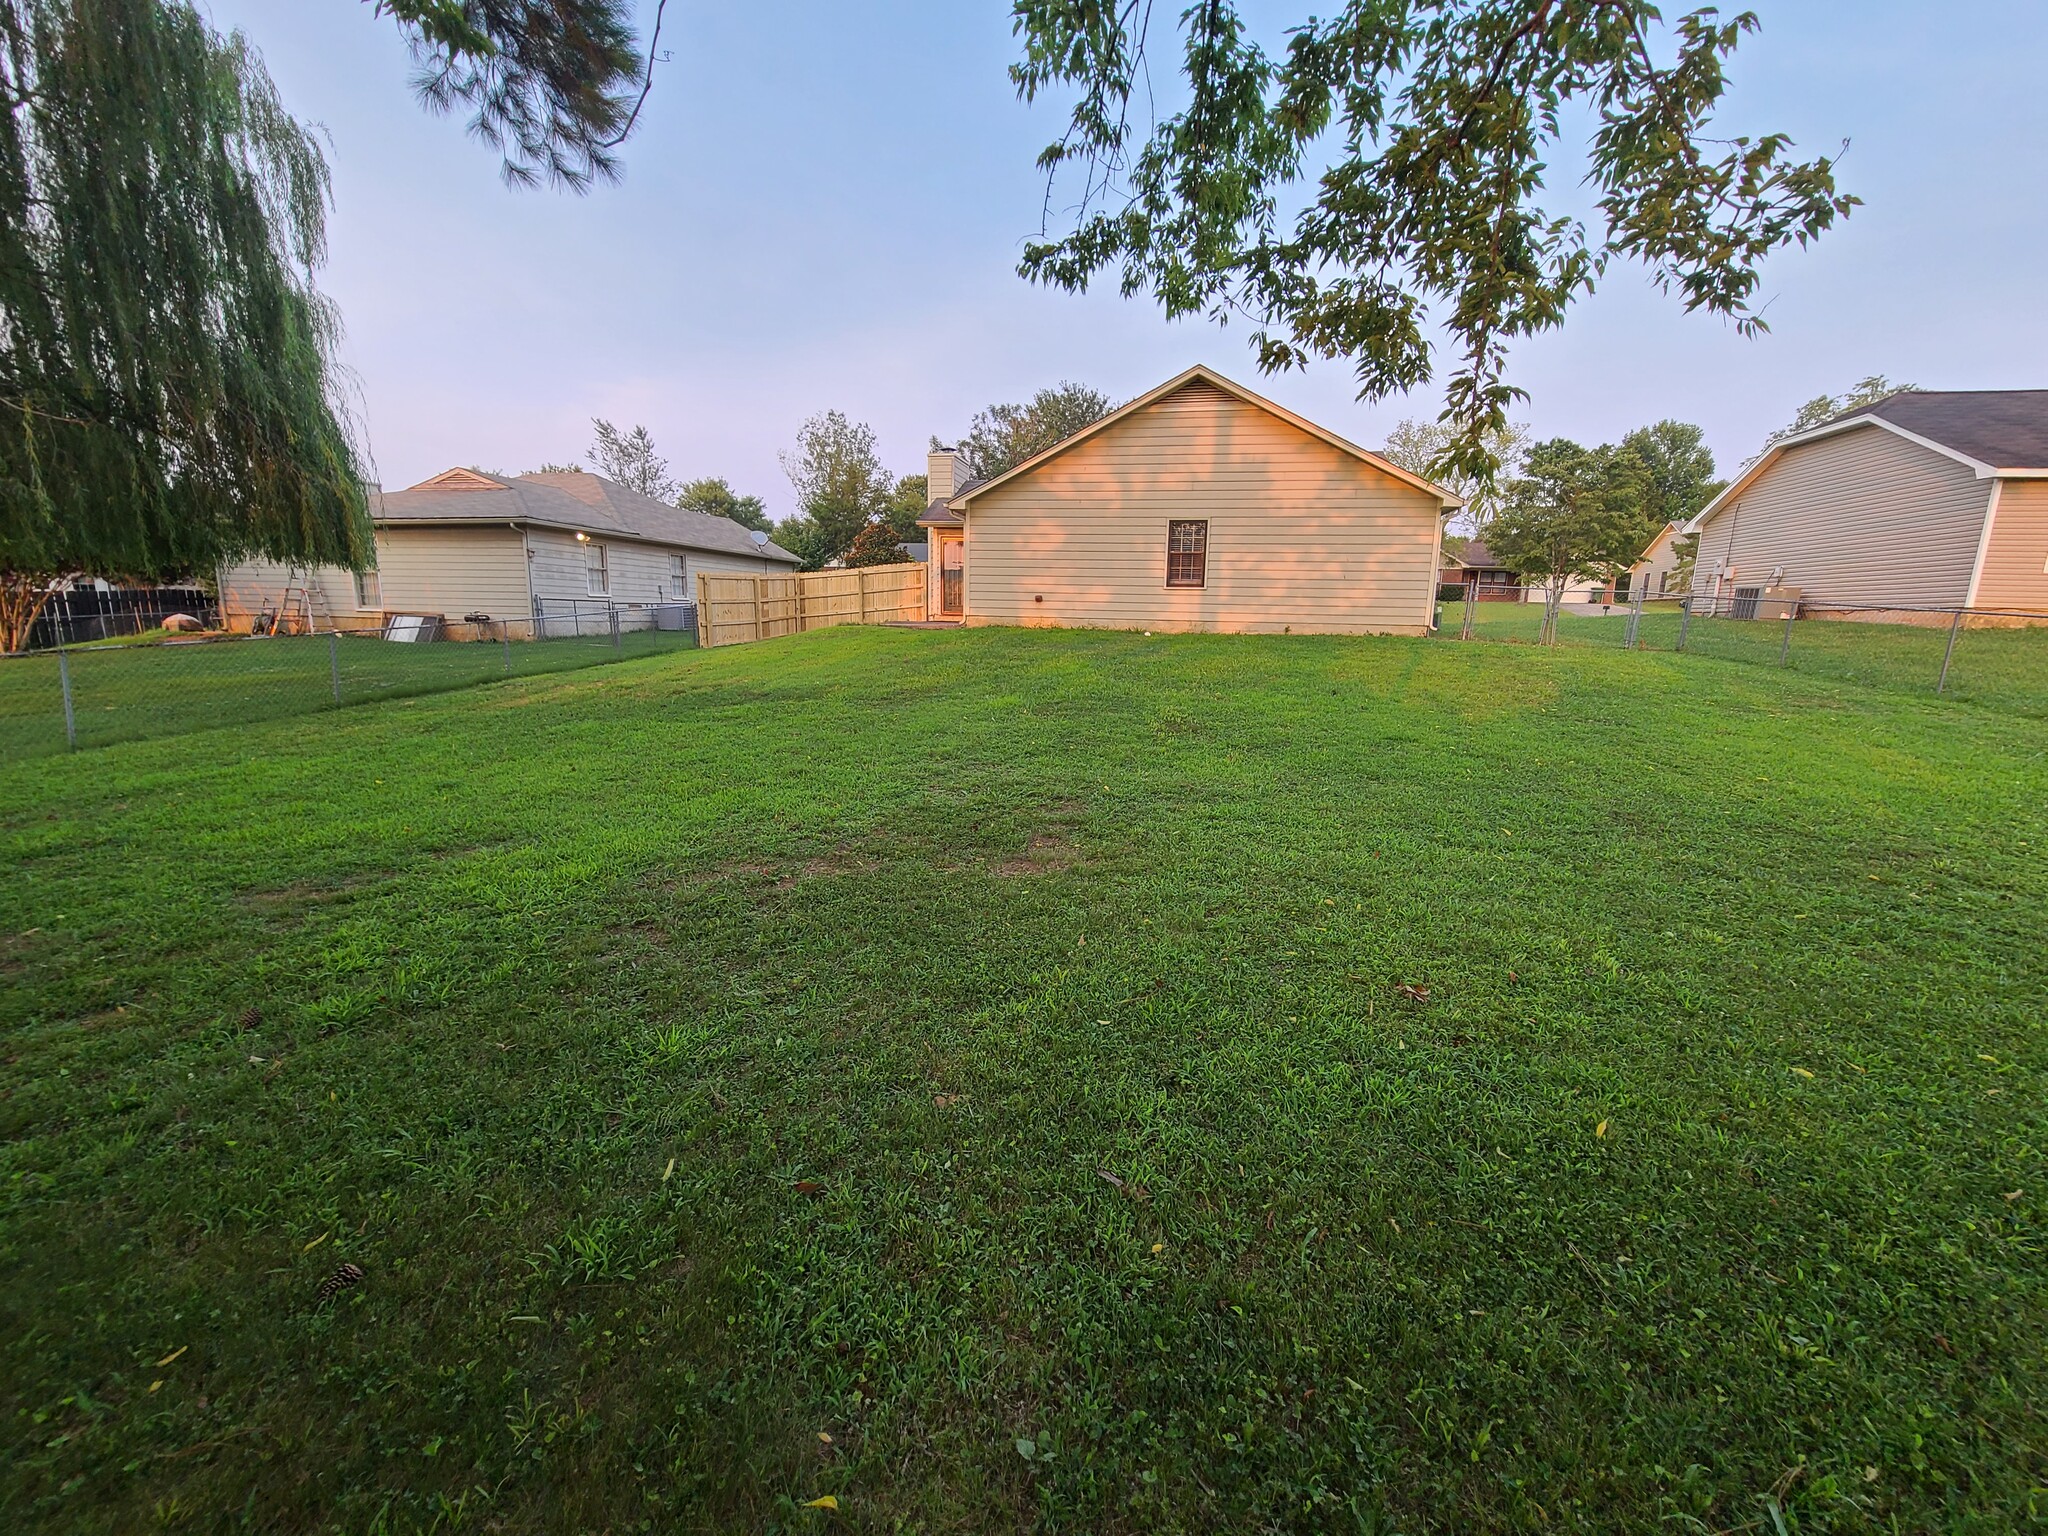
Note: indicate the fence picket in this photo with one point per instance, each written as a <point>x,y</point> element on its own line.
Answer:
<point>735,609</point>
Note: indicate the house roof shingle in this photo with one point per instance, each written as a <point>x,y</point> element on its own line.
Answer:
<point>2004,428</point>
<point>571,500</point>
<point>1477,557</point>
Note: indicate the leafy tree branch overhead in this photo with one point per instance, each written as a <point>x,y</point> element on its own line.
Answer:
<point>1423,135</point>
<point>556,86</point>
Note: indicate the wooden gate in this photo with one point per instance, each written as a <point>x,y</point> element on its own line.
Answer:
<point>735,609</point>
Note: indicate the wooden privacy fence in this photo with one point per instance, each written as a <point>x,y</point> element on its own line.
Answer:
<point>733,609</point>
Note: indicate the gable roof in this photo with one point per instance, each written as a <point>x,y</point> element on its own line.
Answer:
<point>1208,375</point>
<point>1667,531</point>
<point>570,500</point>
<point>1477,557</point>
<point>1996,433</point>
<point>1999,429</point>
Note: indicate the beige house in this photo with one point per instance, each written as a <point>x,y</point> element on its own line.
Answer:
<point>1656,572</point>
<point>1923,500</point>
<point>549,547</point>
<point>1197,506</point>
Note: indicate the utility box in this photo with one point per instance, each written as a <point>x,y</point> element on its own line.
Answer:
<point>1778,603</point>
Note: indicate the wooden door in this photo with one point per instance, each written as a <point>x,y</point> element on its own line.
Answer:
<point>952,578</point>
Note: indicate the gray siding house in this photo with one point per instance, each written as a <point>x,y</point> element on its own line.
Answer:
<point>513,547</point>
<point>1921,500</point>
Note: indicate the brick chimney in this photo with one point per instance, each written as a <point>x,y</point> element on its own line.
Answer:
<point>945,473</point>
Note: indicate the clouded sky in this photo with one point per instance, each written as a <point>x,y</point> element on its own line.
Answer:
<point>826,202</point>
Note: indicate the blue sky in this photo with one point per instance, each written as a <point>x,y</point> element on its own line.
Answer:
<point>826,202</point>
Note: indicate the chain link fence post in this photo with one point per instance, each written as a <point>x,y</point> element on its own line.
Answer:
<point>1635,621</point>
<point>1471,604</point>
<point>616,641</point>
<point>334,665</point>
<point>505,644</point>
<point>70,716</point>
<point>1785,649</point>
<point>1954,625</point>
<point>1684,620</point>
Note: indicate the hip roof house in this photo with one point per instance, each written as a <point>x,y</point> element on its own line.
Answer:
<point>1923,499</point>
<point>1197,506</point>
<point>513,547</point>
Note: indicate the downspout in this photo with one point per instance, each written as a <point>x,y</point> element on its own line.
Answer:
<point>1436,575</point>
<point>526,549</point>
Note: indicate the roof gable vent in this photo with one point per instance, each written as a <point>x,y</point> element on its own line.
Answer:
<point>460,480</point>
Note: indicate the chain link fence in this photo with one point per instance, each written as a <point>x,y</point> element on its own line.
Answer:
<point>74,697</point>
<point>1992,656</point>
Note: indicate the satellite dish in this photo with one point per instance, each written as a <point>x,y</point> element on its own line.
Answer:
<point>760,539</point>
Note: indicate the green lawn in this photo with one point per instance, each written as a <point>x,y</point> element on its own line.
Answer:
<point>2004,668</point>
<point>135,692</point>
<point>991,1051</point>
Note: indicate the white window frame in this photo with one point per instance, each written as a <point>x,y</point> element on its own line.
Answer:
<point>369,591</point>
<point>597,572</point>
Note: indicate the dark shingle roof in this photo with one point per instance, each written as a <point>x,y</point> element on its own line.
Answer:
<point>572,500</point>
<point>2004,428</point>
<point>1477,557</point>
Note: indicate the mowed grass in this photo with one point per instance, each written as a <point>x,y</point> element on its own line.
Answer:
<point>2003,668</point>
<point>126,692</point>
<point>985,1079</point>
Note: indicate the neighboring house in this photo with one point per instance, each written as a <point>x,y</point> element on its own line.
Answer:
<point>1656,572</point>
<point>1197,506</point>
<point>513,548</point>
<point>1923,499</point>
<point>1491,581</point>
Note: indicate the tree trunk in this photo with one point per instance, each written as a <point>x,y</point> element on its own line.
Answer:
<point>23,596</point>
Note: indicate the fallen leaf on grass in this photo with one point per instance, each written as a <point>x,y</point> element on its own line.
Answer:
<point>823,1438</point>
<point>1109,1178</point>
<point>167,1359</point>
<point>823,1501</point>
<point>154,1385</point>
<point>1992,1059</point>
<point>1414,994</point>
<point>1161,1247</point>
<point>316,1242</point>
<point>808,1187</point>
<point>671,1168</point>
<point>1600,1131</point>
<point>2013,1194</point>
<point>1802,1071</point>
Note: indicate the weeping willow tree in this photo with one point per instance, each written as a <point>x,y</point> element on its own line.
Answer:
<point>168,393</point>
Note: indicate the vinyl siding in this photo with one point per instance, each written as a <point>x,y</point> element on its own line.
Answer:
<point>254,585</point>
<point>638,572</point>
<point>1662,561</point>
<point>452,571</point>
<point>1861,519</point>
<point>2015,572</point>
<point>1301,534</point>
<point>557,562</point>
<point>734,565</point>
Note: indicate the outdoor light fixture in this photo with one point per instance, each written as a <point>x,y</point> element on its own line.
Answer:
<point>582,538</point>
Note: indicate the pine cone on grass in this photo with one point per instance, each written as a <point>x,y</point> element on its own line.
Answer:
<point>345,1278</point>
